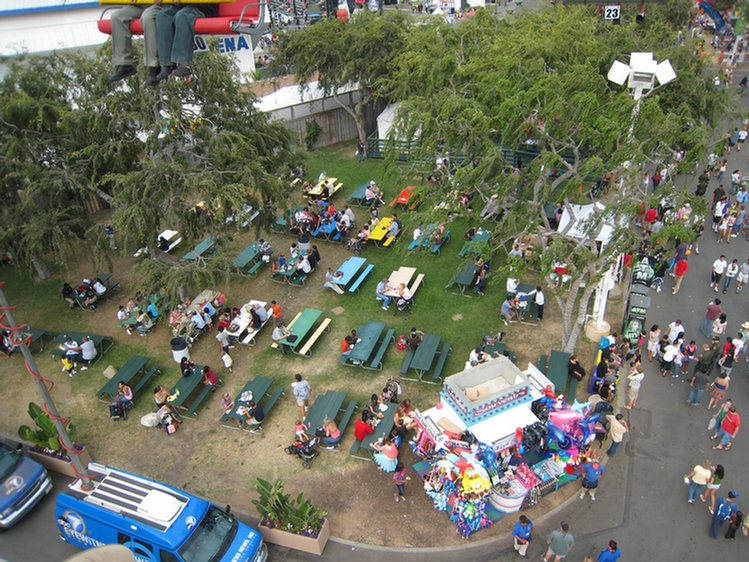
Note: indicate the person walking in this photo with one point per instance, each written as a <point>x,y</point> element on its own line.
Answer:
<point>302,391</point>
<point>697,480</point>
<point>731,272</point>
<point>719,268</point>
<point>634,380</point>
<point>729,428</point>
<point>719,472</point>
<point>712,312</point>
<point>617,428</point>
<point>400,479</point>
<point>724,508</point>
<point>560,543</point>
<point>743,276</point>
<point>681,268</point>
<point>654,339</point>
<point>522,533</point>
<point>611,553</point>
<point>591,474</point>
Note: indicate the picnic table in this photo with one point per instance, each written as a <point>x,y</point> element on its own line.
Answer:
<point>255,389</point>
<point>401,275</point>
<point>206,295</point>
<point>189,392</point>
<point>242,323</point>
<point>317,190</point>
<point>102,343</point>
<point>480,236</point>
<point>404,197</point>
<point>380,230</point>
<point>202,250</point>
<point>463,277</point>
<point>37,336</point>
<point>348,270</point>
<point>326,229</point>
<point>248,256</point>
<point>134,368</point>
<point>529,306</point>
<point>363,450</point>
<point>358,197</point>
<point>171,236</point>
<point>369,333</point>
<point>288,273</point>
<point>300,326</point>
<point>325,406</point>
<point>422,359</point>
<point>558,370</point>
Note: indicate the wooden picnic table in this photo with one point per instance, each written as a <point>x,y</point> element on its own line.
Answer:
<point>189,392</point>
<point>126,374</point>
<point>424,356</point>
<point>242,322</point>
<point>380,230</point>
<point>203,248</point>
<point>326,406</point>
<point>401,275</point>
<point>480,236</point>
<point>102,343</point>
<point>348,270</point>
<point>206,295</point>
<point>248,256</point>
<point>369,333</point>
<point>383,428</point>
<point>301,326</point>
<point>259,387</point>
<point>463,277</point>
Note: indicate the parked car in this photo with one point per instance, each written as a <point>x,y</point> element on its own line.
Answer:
<point>24,483</point>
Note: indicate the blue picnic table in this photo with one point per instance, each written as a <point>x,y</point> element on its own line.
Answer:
<point>348,270</point>
<point>326,229</point>
<point>203,248</point>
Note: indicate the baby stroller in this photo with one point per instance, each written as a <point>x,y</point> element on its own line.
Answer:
<point>305,450</point>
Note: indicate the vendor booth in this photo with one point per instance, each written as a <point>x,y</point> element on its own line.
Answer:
<point>497,440</point>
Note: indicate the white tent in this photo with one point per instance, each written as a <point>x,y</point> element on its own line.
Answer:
<point>385,120</point>
<point>583,214</point>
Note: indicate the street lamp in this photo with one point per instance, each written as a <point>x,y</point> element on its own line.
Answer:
<point>642,72</point>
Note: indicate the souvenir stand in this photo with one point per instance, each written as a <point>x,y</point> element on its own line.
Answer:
<point>482,443</point>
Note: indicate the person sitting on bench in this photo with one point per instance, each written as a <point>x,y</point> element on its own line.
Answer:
<point>255,413</point>
<point>332,433</point>
<point>124,394</point>
<point>210,378</point>
<point>574,369</point>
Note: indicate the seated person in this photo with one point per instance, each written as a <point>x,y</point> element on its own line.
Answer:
<point>439,234</point>
<point>5,345</point>
<point>332,433</point>
<point>507,311</point>
<point>262,313</point>
<point>68,294</point>
<point>124,394</point>
<point>399,432</point>
<point>198,321</point>
<point>394,229</point>
<point>264,247</point>
<point>255,413</point>
<point>281,335</point>
<point>209,309</point>
<point>161,397</point>
<point>512,286</point>
<point>470,233</point>
<point>479,278</point>
<point>574,369</point>
<point>313,257</point>
<point>331,276</point>
<point>210,378</point>
<point>162,244</point>
<point>99,287</point>
<point>293,250</point>
<point>152,310</point>
<point>415,338</point>
<point>418,231</point>
<point>227,403</point>
<point>382,287</point>
<point>373,406</point>
<point>364,425</point>
<point>144,324</point>
<point>404,297</point>
<point>88,352</point>
<point>478,356</point>
<point>186,367</point>
<point>516,251</point>
<point>255,321</point>
<point>72,349</point>
<point>303,265</point>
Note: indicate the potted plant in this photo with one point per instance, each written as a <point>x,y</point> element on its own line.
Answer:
<point>289,522</point>
<point>48,449</point>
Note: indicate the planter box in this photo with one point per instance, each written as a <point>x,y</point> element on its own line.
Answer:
<point>59,465</point>
<point>297,542</point>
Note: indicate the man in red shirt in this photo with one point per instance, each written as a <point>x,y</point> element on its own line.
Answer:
<point>712,311</point>
<point>681,268</point>
<point>729,427</point>
<point>363,426</point>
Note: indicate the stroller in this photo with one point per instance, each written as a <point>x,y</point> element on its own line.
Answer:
<point>305,450</point>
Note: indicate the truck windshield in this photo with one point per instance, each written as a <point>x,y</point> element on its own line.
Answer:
<point>9,458</point>
<point>211,539</point>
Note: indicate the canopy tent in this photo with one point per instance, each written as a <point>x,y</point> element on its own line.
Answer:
<point>583,215</point>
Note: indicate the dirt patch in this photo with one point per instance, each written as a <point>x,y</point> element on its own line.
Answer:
<point>457,317</point>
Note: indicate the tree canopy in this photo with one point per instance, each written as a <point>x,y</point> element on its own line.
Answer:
<point>152,154</point>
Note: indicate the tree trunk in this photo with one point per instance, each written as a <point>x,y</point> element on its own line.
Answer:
<point>41,267</point>
<point>104,196</point>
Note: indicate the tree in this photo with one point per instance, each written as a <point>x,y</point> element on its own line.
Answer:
<point>150,154</point>
<point>481,89</point>
<point>337,54</point>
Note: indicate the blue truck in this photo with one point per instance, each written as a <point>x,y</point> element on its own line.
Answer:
<point>24,483</point>
<point>156,522</point>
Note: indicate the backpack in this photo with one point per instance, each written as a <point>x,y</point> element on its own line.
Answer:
<point>724,511</point>
<point>402,344</point>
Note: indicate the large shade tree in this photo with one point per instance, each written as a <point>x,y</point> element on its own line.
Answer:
<point>538,81</point>
<point>151,154</point>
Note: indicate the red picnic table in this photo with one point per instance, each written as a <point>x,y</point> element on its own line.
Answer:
<point>404,196</point>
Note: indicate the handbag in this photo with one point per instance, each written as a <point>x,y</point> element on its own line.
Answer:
<point>712,423</point>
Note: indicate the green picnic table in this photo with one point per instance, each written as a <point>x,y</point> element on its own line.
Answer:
<point>529,307</point>
<point>189,394</point>
<point>126,374</point>
<point>358,196</point>
<point>102,343</point>
<point>255,389</point>
<point>422,359</point>
<point>558,370</point>
<point>302,326</point>
<point>369,333</point>
<point>289,272</point>
<point>203,248</point>
<point>38,336</point>
<point>480,236</point>
<point>248,256</point>
<point>326,406</point>
<point>463,278</point>
<point>498,349</point>
<point>363,449</point>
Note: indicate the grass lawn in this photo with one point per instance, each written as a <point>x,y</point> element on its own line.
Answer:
<point>234,459</point>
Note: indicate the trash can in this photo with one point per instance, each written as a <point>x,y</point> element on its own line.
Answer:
<point>180,349</point>
<point>303,241</point>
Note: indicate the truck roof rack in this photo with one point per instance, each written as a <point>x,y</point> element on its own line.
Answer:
<point>140,499</point>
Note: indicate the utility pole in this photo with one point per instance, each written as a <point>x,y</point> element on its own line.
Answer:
<point>49,405</point>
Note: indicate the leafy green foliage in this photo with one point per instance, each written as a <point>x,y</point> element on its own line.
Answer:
<point>45,435</point>
<point>279,510</point>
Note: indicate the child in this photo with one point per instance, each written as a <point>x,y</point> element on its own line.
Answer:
<point>227,403</point>
<point>400,480</point>
<point>733,524</point>
<point>299,427</point>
